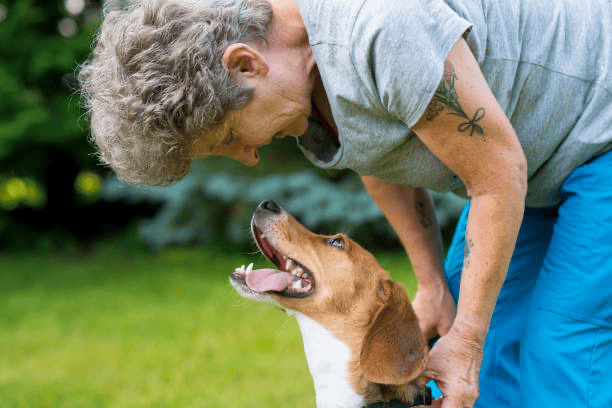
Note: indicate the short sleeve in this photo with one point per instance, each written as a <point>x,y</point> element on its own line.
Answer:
<point>399,47</point>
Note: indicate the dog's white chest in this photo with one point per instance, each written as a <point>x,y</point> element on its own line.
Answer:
<point>328,360</point>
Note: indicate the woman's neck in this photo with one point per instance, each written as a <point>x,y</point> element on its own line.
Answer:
<point>322,111</point>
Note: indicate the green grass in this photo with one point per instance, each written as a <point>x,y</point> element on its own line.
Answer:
<point>134,329</point>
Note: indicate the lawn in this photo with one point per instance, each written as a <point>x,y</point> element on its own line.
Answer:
<point>128,328</point>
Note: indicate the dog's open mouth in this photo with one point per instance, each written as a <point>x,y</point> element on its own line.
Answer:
<point>291,279</point>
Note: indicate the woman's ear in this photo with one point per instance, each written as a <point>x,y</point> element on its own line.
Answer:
<point>394,350</point>
<point>243,60</point>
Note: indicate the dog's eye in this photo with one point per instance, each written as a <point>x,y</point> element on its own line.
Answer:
<point>337,242</point>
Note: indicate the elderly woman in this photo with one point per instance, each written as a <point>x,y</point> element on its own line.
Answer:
<point>506,102</point>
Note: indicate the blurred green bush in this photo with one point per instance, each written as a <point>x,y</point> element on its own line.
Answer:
<point>41,44</point>
<point>43,138</point>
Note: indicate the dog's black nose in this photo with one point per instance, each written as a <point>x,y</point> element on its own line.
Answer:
<point>270,205</point>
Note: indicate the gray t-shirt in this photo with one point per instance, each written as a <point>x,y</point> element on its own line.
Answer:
<point>548,62</point>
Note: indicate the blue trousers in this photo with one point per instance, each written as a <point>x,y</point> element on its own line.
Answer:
<point>550,340</point>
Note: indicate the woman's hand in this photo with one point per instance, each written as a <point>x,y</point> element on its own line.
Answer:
<point>435,308</point>
<point>454,363</point>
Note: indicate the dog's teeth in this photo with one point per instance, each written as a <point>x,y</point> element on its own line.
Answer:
<point>298,271</point>
<point>249,268</point>
<point>242,268</point>
<point>297,284</point>
<point>289,264</point>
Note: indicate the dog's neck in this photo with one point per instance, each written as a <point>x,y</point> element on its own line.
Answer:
<point>329,360</point>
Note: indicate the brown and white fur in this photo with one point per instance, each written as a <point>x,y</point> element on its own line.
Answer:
<point>361,336</point>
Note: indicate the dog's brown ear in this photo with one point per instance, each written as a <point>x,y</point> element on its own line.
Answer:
<point>394,350</point>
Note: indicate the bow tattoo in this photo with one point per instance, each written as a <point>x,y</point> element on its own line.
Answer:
<point>446,97</point>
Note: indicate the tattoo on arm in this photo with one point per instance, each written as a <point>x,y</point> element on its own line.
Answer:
<point>424,218</point>
<point>467,247</point>
<point>446,97</point>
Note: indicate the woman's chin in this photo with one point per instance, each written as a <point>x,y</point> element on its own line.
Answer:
<point>298,127</point>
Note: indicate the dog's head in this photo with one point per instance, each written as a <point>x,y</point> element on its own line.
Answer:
<point>336,282</point>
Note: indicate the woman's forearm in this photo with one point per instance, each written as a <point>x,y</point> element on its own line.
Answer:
<point>410,212</point>
<point>493,225</point>
<point>491,232</point>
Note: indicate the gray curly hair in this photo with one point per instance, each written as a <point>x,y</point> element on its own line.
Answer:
<point>156,82</point>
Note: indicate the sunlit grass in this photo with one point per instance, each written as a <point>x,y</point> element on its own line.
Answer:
<point>146,330</point>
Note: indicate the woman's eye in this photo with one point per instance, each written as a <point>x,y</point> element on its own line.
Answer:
<point>228,140</point>
<point>337,242</point>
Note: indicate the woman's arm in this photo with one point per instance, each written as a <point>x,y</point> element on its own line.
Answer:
<point>409,211</point>
<point>467,130</point>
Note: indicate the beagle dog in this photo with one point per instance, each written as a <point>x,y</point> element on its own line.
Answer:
<point>361,337</point>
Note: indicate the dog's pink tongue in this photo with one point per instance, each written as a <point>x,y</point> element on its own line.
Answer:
<point>263,280</point>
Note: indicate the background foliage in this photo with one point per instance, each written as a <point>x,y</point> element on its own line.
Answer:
<point>43,143</point>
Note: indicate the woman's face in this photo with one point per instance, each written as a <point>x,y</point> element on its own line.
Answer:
<point>280,108</point>
<point>281,72</point>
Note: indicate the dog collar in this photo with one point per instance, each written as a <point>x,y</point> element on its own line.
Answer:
<point>424,398</point>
